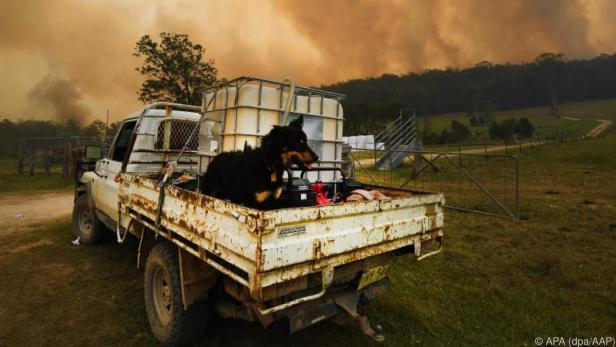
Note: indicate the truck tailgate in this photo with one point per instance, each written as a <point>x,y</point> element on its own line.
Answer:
<point>311,234</point>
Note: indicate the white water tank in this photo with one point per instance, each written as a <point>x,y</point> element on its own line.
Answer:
<point>245,109</point>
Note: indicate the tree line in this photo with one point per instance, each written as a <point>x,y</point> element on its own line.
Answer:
<point>548,80</point>
<point>508,129</point>
<point>12,131</point>
<point>175,69</point>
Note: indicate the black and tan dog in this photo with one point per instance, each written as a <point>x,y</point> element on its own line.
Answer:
<point>253,177</point>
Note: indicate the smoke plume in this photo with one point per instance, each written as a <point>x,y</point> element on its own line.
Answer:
<point>370,37</point>
<point>59,98</point>
<point>316,42</point>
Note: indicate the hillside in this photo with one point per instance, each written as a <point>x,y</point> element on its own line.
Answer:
<point>549,82</point>
<point>545,123</point>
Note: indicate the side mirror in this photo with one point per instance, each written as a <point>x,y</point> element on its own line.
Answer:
<point>93,152</point>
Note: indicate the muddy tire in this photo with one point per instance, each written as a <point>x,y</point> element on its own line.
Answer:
<point>170,323</point>
<point>86,225</point>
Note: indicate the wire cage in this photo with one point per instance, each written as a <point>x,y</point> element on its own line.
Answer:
<point>173,134</point>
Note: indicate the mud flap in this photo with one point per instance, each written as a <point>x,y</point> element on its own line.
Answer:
<point>348,303</point>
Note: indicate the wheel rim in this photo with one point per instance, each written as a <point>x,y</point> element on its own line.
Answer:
<point>162,295</point>
<point>85,222</point>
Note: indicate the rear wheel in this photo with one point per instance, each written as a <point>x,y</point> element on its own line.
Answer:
<point>170,323</point>
<point>86,225</point>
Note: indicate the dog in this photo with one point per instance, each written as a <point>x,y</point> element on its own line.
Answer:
<point>253,177</point>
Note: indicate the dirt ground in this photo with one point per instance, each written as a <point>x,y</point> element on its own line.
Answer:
<point>23,210</point>
<point>596,131</point>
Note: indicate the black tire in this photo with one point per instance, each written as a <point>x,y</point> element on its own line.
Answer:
<point>170,323</point>
<point>86,225</point>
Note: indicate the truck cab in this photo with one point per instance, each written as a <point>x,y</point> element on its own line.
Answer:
<point>140,147</point>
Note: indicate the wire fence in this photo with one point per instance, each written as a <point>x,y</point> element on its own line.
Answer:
<point>508,146</point>
<point>54,155</point>
<point>483,183</point>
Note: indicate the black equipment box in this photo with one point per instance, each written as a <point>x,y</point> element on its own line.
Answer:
<point>297,192</point>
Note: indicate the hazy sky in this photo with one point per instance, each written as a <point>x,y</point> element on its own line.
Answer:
<point>63,57</point>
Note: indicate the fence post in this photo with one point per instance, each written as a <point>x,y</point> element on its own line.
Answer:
<point>20,161</point>
<point>459,155</point>
<point>46,162</point>
<point>31,163</point>
<point>417,163</point>
<point>65,161</point>
<point>417,159</point>
<point>374,152</point>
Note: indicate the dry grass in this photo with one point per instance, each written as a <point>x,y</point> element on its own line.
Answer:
<point>498,282</point>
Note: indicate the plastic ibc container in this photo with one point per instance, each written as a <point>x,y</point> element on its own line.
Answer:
<point>243,110</point>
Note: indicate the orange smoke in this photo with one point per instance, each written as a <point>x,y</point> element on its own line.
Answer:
<point>89,44</point>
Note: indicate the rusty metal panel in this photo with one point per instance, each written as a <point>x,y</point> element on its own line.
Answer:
<point>307,234</point>
<point>293,271</point>
<point>219,227</point>
<point>280,245</point>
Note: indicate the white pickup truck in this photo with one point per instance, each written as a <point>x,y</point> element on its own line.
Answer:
<point>203,255</point>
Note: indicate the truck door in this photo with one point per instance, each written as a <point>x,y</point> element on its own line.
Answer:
<point>106,191</point>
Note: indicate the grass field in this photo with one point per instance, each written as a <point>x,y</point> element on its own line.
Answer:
<point>10,181</point>
<point>545,124</point>
<point>498,281</point>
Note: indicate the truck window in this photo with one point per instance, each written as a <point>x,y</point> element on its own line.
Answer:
<point>120,145</point>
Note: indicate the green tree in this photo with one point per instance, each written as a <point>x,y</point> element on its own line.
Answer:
<point>503,130</point>
<point>174,69</point>
<point>95,129</point>
<point>444,137</point>
<point>113,129</point>
<point>550,68</point>
<point>524,128</point>
<point>460,132</point>
<point>71,128</point>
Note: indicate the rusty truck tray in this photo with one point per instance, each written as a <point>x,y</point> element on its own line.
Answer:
<point>264,248</point>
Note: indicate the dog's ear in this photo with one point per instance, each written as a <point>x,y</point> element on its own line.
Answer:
<point>298,122</point>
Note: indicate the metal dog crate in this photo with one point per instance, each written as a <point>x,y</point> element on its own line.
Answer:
<point>245,109</point>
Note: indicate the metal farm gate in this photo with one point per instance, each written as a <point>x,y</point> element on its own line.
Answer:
<point>481,183</point>
<point>53,155</point>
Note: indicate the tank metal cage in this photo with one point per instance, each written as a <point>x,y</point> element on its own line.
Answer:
<point>245,108</point>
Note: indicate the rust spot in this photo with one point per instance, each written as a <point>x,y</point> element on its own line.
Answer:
<point>430,209</point>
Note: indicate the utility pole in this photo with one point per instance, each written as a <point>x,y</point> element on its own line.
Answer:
<point>106,128</point>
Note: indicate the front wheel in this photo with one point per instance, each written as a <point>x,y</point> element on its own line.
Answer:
<point>170,323</point>
<point>86,225</point>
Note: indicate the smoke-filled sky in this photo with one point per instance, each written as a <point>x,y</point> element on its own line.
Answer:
<point>66,59</point>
